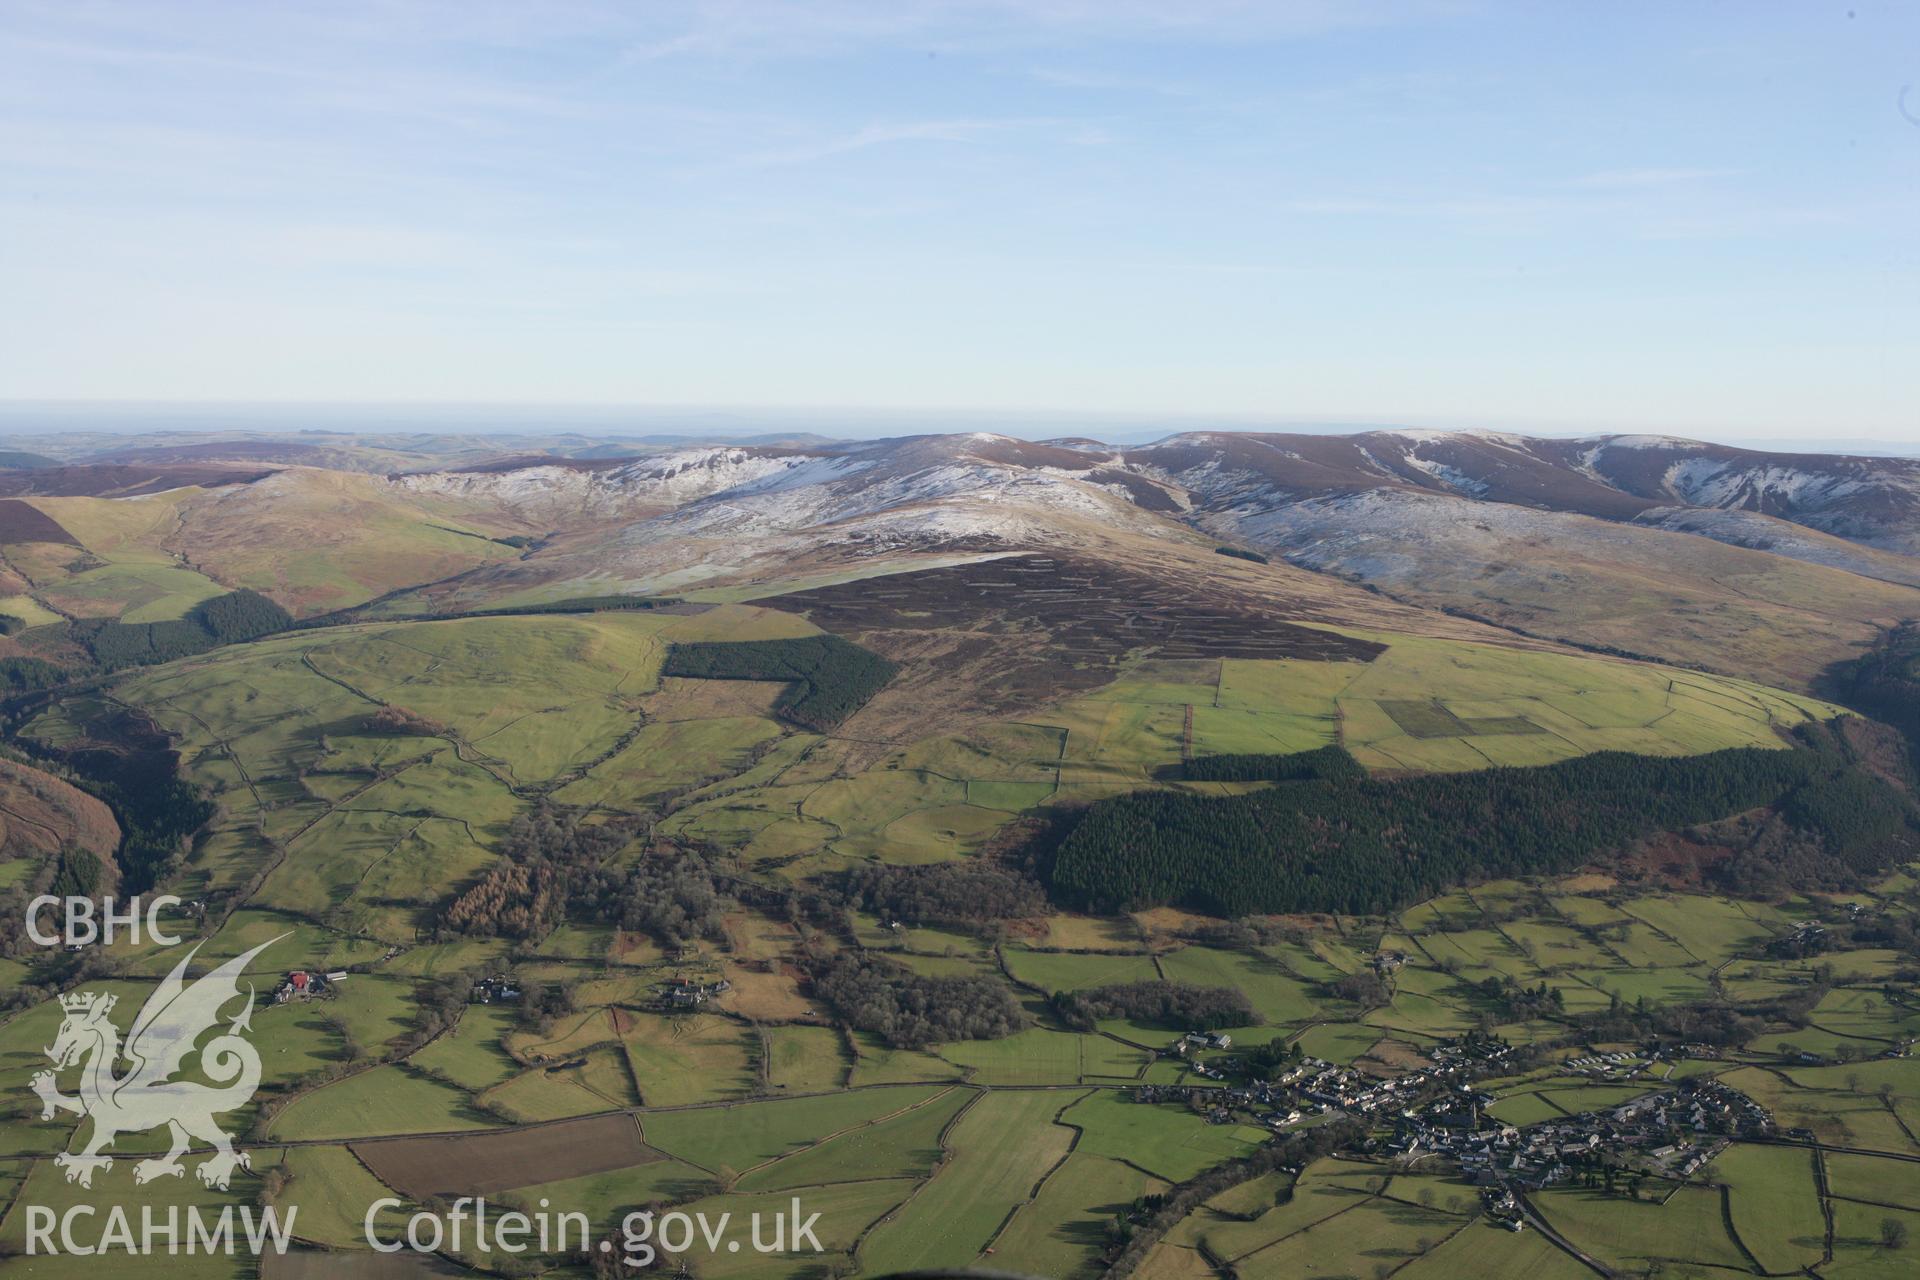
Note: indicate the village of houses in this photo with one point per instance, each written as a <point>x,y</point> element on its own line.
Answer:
<point>1437,1114</point>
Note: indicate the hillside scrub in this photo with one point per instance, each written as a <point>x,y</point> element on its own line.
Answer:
<point>399,722</point>
<point>830,677</point>
<point>1367,845</point>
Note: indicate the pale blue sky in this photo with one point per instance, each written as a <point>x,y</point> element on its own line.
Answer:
<point>1665,216</point>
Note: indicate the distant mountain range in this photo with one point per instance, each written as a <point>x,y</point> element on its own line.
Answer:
<point>1758,563</point>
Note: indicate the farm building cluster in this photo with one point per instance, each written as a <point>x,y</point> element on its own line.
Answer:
<point>495,989</point>
<point>691,993</point>
<point>307,984</point>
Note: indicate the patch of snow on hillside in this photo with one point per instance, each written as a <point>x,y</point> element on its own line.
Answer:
<point>1453,477</point>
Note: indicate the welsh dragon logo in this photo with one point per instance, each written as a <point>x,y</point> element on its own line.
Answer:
<point>164,1035</point>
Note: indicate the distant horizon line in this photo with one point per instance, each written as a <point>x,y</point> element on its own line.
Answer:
<point>713,418</point>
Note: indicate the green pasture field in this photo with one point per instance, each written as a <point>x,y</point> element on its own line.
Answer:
<point>472,1054</point>
<point>1446,913</point>
<point>1003,1146</point>
<point>806,1059</point>
<point>1551,946</point>
<point>1388,1230</point>
<point>1775,1204</point>
<point>1237,1223</point>
<point>546,1093</point>
<point>382,1100</point>
<point>1488,1252</point>
<point>1167,1141</point>
<point>1525,1107</point>
<point>296,1041</point>
<point>1576,1098</point>
<point>1425,1004</point>
<point>1829,1108</point>
<point>665,756</point>
<point>1061,1232</point>
<point>376,1010</point>
<point>605,1073</point>
<point>878,1063</point>
<point>1862,966</point>
<point>1052,971</point>
<point>1684,1228</point>
<point>132,589</point>
<point>565,1036</point>
<point>1865,1015</point>
<point>846,1211</point>
<point>743,1135</point>
<point>604,1197</point>
<point>925,939</point>
<point>1276,995</point>
<point>1305,962</point>
<point>12,1174</point>
<point>577,942</point>
<point>1044,1056</point>
<point>1873,1179</point>
<point>1859,1254</point>
<point>331,1191</point>
<point>679,1059</point>
<point>1478,954</point>
<point>28,610</point>
<point>1340,1042</point>
<point>904,1143</point>
<point>1711,930</point>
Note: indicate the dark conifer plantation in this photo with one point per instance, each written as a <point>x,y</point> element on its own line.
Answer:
<point>1360,845</point>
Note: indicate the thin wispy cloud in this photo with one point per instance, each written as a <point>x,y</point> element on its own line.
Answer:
<point>1630,179</point>
<point>878,135</point>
